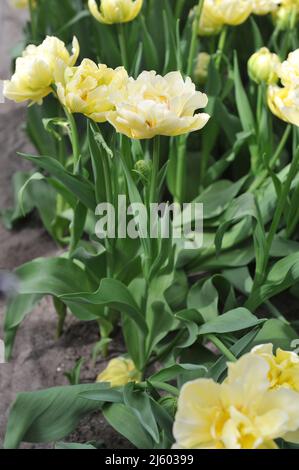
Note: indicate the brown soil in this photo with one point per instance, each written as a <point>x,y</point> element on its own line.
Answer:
<point>39,359</point>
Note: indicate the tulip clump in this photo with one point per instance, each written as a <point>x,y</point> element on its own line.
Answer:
<point>257,404</point>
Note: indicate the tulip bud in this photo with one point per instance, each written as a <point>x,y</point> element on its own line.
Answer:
<point>119,371</point>
<point>262,66</point>
<point>115,11</point>
<point>201,68</point>
<point>144,169</point>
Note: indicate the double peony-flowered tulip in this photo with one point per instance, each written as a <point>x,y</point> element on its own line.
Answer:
<point>86,89</point>
<point>139,108</point>
<point>257,404</point>
<point>154,105</point>
<point>284,101</point>
<point>217,13</point>
<point>38,69</point>
<point>119,371</point>
<point>263,7</point>
<point>115,11</point>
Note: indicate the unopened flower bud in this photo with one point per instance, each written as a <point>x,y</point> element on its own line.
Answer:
<point>144,169</point>
<point>262,66</point>
<point>201,68</point>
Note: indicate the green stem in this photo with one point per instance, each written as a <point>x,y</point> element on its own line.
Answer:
<point>153,195</point>
<point>193,44</point>
<point>122,45</point>
<point>181,169</point>
<point>166,387</point>
<point>179,8</point>
<point>281,204</point>
<point>260,276</point>
<point>220,48</point>
<point>259,181</point>
<point>181,163</point>
<point>74,138</point>
<point>33,21</point>
<point>222,348</point>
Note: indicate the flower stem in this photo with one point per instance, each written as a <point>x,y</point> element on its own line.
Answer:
<point>259,181</point>
<point>74,138</point>
<point>166,387</point>
<point>193,44</point>
<point>33,21</point>
<point>181,169</point>
<point>220,48</point>
<point>281,204</point>
<point>153,195</point>
<point>222,348</point>
<point>179,8</point>
<point>122,45</point>
<point>260,276</point>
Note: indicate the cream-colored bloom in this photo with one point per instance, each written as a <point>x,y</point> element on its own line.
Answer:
<point>115,11</point>
<point>120,371</point>
<point>230,12</point>
<point>263,66</point>
<point>284,366</point>
<point>202,67</point>
<point>86,89</point>
<point>153,105</point>
<point>38,68</point>
<point>209,24</point>
<point>284,103</point>
<point>241,413</point>
<point>289,70</point>
<point>263,7</point>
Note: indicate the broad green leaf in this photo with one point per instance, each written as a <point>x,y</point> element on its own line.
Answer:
<point>113,294</point>
<point>124,421</point>
<point>139,403</point>
<point>235,320</point>
<point>48,415</point>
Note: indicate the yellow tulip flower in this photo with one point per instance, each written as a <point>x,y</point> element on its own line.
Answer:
<point>209,25</point>
<point>153,105</point>
<point>284,366</point>
<point>284,103</point>
<point>115,11</point>
<point>289,70</point>
<point>241,413</point>
<point>230,12</point>
<point>38,68</point>
<point>86,89</point>
<point>263,7</point>
<point>263,66</point>
<point>120,371</point>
